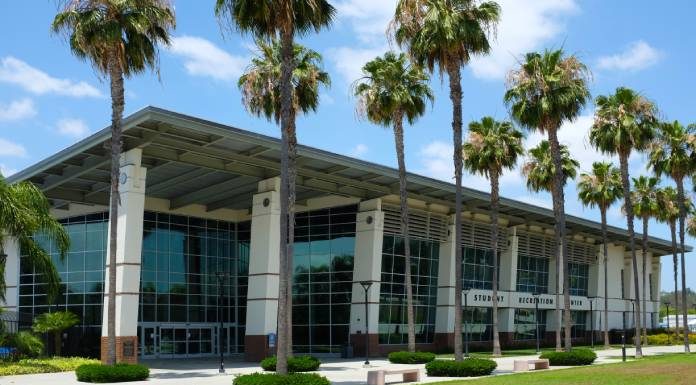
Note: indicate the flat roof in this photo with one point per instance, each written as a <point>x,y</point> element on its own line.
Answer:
<point>192,160</point>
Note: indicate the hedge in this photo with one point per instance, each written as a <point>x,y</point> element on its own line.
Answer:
<point>279,379</point>
<point>411,358</point>
<point>663,338</point>
<point>117,373</point>
<point>43,365</point>
<point>295,364</point>
<point>574,357</point>
<point>469,367</point>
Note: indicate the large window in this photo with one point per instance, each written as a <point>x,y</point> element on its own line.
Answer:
<point>392,299</point>
<point>478,321</point>
<point>578,274</point>
<point>526,324</point>
<point>532,274</point>
<point>477,268</point>
<point>322,279</point>
<point>578,321</point>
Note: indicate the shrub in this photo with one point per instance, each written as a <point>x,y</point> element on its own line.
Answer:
<point>470,367</point>
<point>27,344</point>
<point>279,379</point>
<point>664,338</point>
<point>411,358</point>
<point>295,364</point>
<point>574,357</point>
<point>117,373</point>
<point>44,365</point>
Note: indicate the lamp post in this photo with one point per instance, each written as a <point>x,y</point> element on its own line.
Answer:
<point>366,286</point>
<point>591,299</point>
<point>623,338</point>
<point>466,323</point>
<point>221,280</point>
<point>667,303</point>
<point>536,319</point>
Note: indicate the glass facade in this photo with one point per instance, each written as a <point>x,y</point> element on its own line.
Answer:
<point>579,278</point>
<point>478,321</point>
<point>477,268</point>
<point>532,274</point>
<point>578,321</point>
<point>322,279</point>
<point>526,323</point>
<point>392,299</point>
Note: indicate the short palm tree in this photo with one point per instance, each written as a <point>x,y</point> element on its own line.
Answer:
<point>390,90</point>
<point>645,207</point>
<point>624,122</point>
<point>674,153</point>
<point>25,212</point>
<point>548,89</point>
<point>55,323</point>
<point>119,38</point>
<point>602,188</point>
<point>268,19</point>
<point>446,34</point>
<point>492,148</point>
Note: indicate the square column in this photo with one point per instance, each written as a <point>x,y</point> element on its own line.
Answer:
<point>367,266</point>
<point>508,282</point>
<point>11,248</point>
<point>446,279</point>
<point>264,265</point>
<point>128,257</point>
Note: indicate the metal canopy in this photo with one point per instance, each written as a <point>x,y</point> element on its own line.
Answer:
<point>191,160</point>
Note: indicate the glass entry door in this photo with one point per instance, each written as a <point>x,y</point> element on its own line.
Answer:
<point>178,341</point>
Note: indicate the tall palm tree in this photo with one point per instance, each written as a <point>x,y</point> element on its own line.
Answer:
<point>624,122</point>
<point>446,34</point>
<point>120,38</point>
<point>548,89</point>
<point>540,173</point>
<point>25,212</point>
<point>492,148</point>
<point>284,20</point>
<point>645,207</point>
<point>674,153</point>
<point>602,188</point>
<point>390,90</point>
<point>55,323</point>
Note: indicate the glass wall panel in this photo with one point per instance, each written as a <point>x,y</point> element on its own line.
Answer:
<point>532,274</point>
<point>477,268</point>
<point>578,321</point>
<point>478,321</point>
<point>526,323</point>
<point>578,273</point>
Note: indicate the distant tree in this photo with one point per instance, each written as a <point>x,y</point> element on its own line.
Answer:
<point>55,323</point>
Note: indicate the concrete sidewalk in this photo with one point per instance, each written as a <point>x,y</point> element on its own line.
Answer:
<point>342,372</point>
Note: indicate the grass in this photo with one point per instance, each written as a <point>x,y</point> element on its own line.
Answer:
<point>669,369</point>
<point>524,352</point>
<point>43,365</point>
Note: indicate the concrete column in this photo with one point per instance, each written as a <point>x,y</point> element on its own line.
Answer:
<point>11,248</point>
<point>552,321</point>
<point>508,282</point>
<point>446,279</point>
<point>128,256</point>
<point>262,298</point>
<point>367,266</point>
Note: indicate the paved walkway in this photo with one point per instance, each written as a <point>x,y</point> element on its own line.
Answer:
<point>340,372</point>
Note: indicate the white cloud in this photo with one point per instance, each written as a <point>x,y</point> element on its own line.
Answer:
<point>11,149</point>
<point>17,110</point>
<point>203,58</point>
<point>326,99</point>
<point>15,71</point>
<point>368,18</point>
<point>359,150</point>
<point>637,56</point>
<point>524,26</point>
<point>7,171</point>
<point>535,200</point>
<point>75,128</point>
<point>349,61</point>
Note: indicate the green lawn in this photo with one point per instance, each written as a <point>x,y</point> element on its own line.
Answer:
<point>672,369</point>
<point>525,352</point>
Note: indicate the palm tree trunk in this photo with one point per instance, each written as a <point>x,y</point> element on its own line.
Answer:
<point>403,201</point>
<point>57,341</point>
<point>117,106</point>
<point>292,178</point>
<point>454,75</point>
<point>628,206</point>
<point>603,211</point>
<point>495,197</point>
<point>673,232</point>
<point>559,205</point>
<point>645,288</point>
<point>557,253</point>
<point>682,218</point>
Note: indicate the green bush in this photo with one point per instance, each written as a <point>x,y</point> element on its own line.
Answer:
<point>411,358</point>
<point>295,364</point>
<point>117,373</point>
<point>27,344</point>
<point>279,379</point>
<point>469,367</point>
<point>574,357</point>
<point>664,338</point>
<point>44,365</point>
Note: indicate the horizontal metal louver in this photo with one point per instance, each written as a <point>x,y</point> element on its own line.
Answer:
<point>540,245</point>
<point>580,252</point>
<point>477,235</point>
<point>421,224</point>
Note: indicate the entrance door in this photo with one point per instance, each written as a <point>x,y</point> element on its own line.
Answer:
<point>185,341</point>
<point>148,341</point>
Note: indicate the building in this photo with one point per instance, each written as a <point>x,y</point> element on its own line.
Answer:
<point>199,198</point>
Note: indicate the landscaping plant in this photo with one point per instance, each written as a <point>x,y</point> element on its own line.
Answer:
<point>469,367</point>
<point>98,373</point>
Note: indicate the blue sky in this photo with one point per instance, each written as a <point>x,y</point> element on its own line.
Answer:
<point>49,99</point>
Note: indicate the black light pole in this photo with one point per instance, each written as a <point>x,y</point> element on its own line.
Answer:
<point>466,322</point>
<point>667,303</point>
<point>536,320</point>
<point>623,339</point>
<point>221,279</point>
<point>591,299</point>
<point>366,286</point>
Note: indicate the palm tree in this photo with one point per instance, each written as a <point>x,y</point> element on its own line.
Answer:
<point>601,189</point>
<point>119,38</point>
<point>25,212</point>
<point>624,122</point>
<point>446,34</point>
<point>268,19</point>
<point>674,153</point>
<point>390,90</point>
<point>547,90</point>
<point>55,323</point>
<point>539,171</point>
<point>645,207</point>
<point>493,147</point>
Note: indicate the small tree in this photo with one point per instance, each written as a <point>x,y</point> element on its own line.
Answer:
<point>55,323</point>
